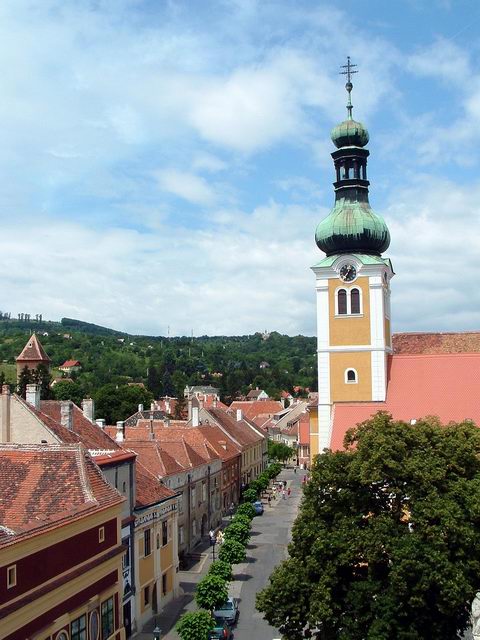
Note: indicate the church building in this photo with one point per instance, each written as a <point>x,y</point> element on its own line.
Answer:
<point>362,368</point>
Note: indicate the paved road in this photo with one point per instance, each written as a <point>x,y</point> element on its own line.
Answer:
<point>268,547</point>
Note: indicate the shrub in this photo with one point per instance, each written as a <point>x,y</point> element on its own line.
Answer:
<point>238,531</point>
<point>212,591</point>
<point>222,569</point>
<point>195,625</point>
<point>250,495</point>
<point>232,552</point>
<point>244,519</point>
<point>246,509</point>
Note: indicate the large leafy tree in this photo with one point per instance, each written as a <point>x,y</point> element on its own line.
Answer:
<point>387,542</point>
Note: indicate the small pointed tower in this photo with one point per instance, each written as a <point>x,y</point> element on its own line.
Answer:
<point>352,284</point>
<point>32,356</point>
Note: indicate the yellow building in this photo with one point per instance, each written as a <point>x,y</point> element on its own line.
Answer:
<point>60,546</point>
<point>156,546</point>
<point>353,287</point>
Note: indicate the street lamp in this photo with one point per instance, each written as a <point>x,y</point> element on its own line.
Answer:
<point>156,632</point>
<point>214,542</point>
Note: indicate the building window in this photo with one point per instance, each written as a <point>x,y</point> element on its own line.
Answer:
<point>204,491</point>
<point>147,543</point>
<point>124,487</point>
<point>158,541</point>
<point>342,302</point>
<point>12,576</point>
<point>94,626</point>
<point>193,496</point>
<point>181,535</point>
<point>180,504</point>
<point>63,635</point>
<point>78,628</point>
<point>164,584</point>
<point>126,555</point>
<point>107,618</point>
<point>351,376</point>
<point>146,596</point>
<point>101,534</point>
<point>164,533</point>
<point>355,301</point>
<point>194,528</point>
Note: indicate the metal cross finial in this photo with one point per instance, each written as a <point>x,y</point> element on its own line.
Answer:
<point>349,71</point>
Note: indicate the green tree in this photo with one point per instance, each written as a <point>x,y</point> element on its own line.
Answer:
<point>238,531</point>
<point>387,542</point>
<point>222,569</point>
<point>232,551</point>
<point>211,592</point>
<point>118,402</point>
<point>249,495</point>
<point>24,378</point>
<point>246,509</point>
<point>67,390</point>
<point>41,375</point>
<point>195,625</point>
<point>280,451</point>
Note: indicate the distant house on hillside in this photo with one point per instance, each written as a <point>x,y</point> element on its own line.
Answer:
<point>70,366</point>
<point>264,365</point>
<point>257,394</point>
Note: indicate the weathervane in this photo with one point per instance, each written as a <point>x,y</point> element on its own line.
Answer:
<point>349,71</point>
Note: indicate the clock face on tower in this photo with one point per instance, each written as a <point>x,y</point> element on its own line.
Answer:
<point>348,273</point>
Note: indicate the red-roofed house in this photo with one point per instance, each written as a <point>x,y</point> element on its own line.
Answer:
<point>60,545</point>
<point>32,356</point>
<point>70,366</point>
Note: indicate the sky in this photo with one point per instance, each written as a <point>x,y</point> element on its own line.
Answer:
<point>164,164</point>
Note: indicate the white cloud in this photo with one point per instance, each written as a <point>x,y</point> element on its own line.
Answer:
<point>188,186</point>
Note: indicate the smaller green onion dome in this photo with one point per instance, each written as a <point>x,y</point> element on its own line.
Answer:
<point>352,227</point>
<point>349,133</point>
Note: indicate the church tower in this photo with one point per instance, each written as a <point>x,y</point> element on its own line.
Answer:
<point>352,284</point>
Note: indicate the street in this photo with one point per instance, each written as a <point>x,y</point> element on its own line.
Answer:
<point>267,548</point>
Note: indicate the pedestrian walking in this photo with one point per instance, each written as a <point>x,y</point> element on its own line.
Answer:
<point>284,494</point>
<point>211,535</point>
<point>295,470</point>
<point>220,538</point>
<point>289,491</point>
<point>269,500</point>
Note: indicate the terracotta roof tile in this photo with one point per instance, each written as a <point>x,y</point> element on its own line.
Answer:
<point>239,430</point>
<point>254,408</point>
<point>41,485</point>
<point>33,351</point>
<point>463,342</point>
<point>148,489</point>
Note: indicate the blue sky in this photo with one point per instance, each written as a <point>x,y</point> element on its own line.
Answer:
<point>164,164</point>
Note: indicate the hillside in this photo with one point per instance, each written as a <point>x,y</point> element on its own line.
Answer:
<point>165,365</point>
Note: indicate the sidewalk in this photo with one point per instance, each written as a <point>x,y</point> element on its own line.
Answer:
<point>188,581</point>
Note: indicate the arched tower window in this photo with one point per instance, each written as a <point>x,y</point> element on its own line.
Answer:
<point>342,301</point>
<point>355,301</point>
<point>351,376</point>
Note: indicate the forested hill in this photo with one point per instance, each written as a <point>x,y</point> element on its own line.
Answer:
<point>165,365</point>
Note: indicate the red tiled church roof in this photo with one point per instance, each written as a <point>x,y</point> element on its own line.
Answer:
<point>446,385</point>
<point>33,351</point>
<point>449,342</point>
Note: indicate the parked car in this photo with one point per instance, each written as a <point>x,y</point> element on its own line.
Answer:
<point>228,612</point>
<point>221,632</point>
<point>258,506</point>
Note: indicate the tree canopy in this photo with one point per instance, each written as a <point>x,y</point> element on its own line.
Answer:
<point>387,541</point>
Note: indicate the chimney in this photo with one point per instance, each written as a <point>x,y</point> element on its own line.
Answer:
<point>223,444</point>
<point>88,408</point>
<point>6,436</point>
<point>167,405</point>
<point>190,409</point>
<point>33,395</point>
<point>100,422</point>
<point>166,422</point>
<point>195,418</point>
<point>66,414</point>
<point>120,435</point>
<point>214,403</point>
<point>282,400</point>
<point>239,415</point>
<point>140,408</point>
<point>152,406</point>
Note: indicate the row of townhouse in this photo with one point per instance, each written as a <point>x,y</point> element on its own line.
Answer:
<point>168,483</point>
<point>148,509</point>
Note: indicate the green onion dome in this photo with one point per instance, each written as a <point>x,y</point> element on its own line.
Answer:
<point>352,227</point>
<point>349,133</point>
